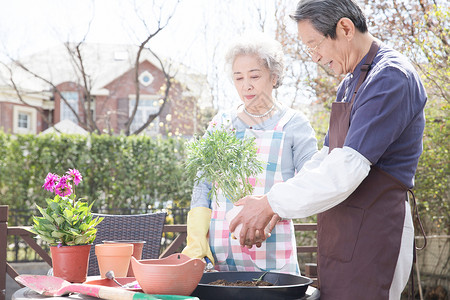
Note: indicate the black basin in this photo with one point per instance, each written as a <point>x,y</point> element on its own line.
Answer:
<point>286,286</point>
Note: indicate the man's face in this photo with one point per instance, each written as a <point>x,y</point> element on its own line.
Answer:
<point>327,52</point>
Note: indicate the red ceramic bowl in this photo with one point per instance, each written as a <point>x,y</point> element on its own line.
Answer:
<point>176,274</point>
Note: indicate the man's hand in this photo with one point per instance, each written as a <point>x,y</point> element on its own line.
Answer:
<point>255,216</point>
<point>267,232</point>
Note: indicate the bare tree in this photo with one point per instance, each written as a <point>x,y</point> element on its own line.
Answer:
<point>84,77</point>
<point>161,24</point>
<point>420,29</point>
<point>19,94</point>
<point>86,86</point>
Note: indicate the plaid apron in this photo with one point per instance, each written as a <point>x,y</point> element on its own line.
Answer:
<point>278,252</point>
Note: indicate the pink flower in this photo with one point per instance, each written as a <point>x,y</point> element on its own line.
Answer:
<point>213,123</point>
<point>63,188</point>
<point>50,181</point>
<point>75,175</point>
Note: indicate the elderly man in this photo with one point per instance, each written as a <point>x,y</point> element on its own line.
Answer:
<point>358,183</point>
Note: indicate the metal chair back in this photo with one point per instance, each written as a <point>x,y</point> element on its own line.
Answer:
<point>143,227</point>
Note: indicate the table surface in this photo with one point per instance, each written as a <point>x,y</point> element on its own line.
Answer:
<point>26,294</point>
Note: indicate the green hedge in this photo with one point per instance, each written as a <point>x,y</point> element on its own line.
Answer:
<point>118,171</point>
<point>432,188</point>
<point>139,171</point>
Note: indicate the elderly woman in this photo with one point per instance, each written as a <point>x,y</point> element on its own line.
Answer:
<point>285,141</point>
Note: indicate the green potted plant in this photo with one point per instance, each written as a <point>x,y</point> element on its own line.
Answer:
<point>225,160</point>
<point>67,225</point>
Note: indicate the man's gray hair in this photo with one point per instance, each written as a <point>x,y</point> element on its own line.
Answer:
<point>324,15</point>
<point>267,49</point>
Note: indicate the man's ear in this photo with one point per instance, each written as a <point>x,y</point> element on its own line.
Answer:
<point>345,28</point>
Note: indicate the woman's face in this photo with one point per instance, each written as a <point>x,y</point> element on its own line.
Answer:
<point>253,82</point>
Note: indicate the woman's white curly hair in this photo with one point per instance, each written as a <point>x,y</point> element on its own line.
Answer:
<point>267,49</point>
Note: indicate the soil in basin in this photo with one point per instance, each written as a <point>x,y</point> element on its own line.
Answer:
<point>224,282</point>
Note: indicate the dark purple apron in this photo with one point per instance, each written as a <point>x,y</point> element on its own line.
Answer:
<point>359,239</point>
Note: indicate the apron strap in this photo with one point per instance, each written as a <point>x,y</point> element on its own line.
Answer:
<point>411,277</point>
<point>415,248</point>
<point>419,222</point>
<point>284,119</point>
<point>365,68</point>
<point>341,111</point>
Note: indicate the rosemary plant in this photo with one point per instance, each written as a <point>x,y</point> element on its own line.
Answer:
<point>225,161</point>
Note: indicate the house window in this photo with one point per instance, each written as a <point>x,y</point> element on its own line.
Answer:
<point>146,78</point>
<point>24,120</point>
<point>145,108</point>
<point>66,112</point>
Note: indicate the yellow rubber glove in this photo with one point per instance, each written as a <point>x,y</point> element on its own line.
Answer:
<point>198,221</point>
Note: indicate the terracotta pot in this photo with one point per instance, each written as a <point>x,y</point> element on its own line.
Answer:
<point>70,262</point>
<point>137,251</point>
<point>176,274</point>
<point>114,257</point>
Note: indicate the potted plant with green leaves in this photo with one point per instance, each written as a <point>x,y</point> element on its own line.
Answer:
<point>67,225</point>
<point>226,161</point>
<point>220,157</point>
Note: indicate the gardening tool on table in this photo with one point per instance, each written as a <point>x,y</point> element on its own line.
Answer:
<point>55,286</point>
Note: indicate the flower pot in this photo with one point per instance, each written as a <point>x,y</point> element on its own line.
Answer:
<point>114,257</point>
<point>70,262</point>
<point>137,251</point>
<point>177,274</point>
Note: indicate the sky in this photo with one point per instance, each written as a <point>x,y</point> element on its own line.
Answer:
<point>30,25</point>
<point>197,34</point>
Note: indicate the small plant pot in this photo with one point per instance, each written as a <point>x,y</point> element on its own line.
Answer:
<point>70,262</point>
<point>137,251</point>
<point>114,257</point>
<point>177,274</point>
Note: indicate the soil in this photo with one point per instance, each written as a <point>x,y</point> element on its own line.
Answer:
<point>224,282</point>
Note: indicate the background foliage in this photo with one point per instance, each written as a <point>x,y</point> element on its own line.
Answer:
<point>133,172</point>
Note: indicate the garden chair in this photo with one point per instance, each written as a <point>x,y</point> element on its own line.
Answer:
<point>143,227</point>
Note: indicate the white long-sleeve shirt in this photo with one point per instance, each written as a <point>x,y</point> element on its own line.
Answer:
<point>323,182</point>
